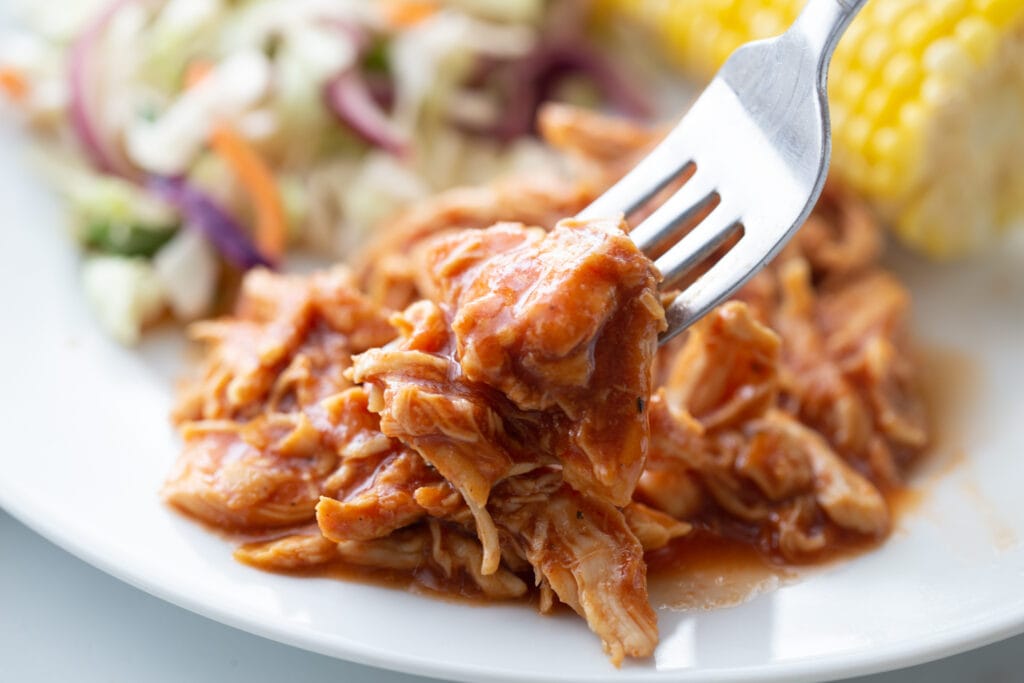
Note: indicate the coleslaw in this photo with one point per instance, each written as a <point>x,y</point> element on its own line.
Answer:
<point>196,138</point>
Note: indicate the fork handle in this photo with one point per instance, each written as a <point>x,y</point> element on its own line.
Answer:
<point>822,23</point>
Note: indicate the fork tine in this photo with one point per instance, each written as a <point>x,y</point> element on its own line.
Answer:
<point>666,162</point>
<point>698,244</point>
<point>723,278</point>
<point>681,208</point>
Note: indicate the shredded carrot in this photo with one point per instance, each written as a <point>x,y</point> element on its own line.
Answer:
<point>404,13</point>
<point>14,83</point>
<point>252,172</point>
<point>197,70</point>
<point>258,181</point>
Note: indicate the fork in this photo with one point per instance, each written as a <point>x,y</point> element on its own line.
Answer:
<point>756,147</point>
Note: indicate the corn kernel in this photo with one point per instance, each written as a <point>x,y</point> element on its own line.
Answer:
<point>977,36</point>
<point>877,104</point>
<point>946,13</point>
<point>913,116</point>
<point>901,73</point>
<point>851,86</point>
<point>891,11</point>
<point>915,31</point>
<point>874,50</point>
<point>884,142</point>
<point>999,12</point>
<point>947,57</point>
<point>854,36</point>
<point>936,91</point>
<point>857,132</point>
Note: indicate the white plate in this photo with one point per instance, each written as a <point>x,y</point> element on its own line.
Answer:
<point>86,444</point>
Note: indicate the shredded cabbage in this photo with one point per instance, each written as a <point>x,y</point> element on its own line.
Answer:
<point>124,294</point>
<point>169,144</point>
<point>116,217</point>
<point>274,72</point>
<point>177,35</point>
<point>187,268</point>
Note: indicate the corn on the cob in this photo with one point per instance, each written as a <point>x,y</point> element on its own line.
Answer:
<point>927,100</point>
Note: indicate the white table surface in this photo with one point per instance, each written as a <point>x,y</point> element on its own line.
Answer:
<point>63,620</point>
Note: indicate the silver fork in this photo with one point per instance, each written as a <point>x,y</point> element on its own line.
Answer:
<point>757,142</point>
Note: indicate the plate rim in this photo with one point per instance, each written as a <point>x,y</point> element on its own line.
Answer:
<point>962,637</point>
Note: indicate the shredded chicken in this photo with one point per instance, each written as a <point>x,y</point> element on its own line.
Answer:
<point>238,477</point>
<point>483,409</point>
<point>384,503</point>
<point>296,551</point>
<point>564,322</point>
<point>585,550</point>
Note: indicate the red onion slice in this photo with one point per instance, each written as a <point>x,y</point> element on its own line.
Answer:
<point>528,82</point>
<point>81,58</point>
<point>582,59</point>
<point>199,210</point>
<point>350,98</point>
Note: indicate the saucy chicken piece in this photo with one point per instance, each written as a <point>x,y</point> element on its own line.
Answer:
<point>813,385</point>
<point>439,556</point>
<point>240,478</point>
<point>540,352</point>
<point>314,371</point>
<point>384,503</point>
<point>593,562</point>
<point>847,497</point>
<point>258,440</point>
<point>295,551</point>
<point>388,268</point>
<point>270,471</point>
<point>776,475</point>
<point>289,341</point>
<point>565,322</point>
<point>347,426</point>
<point>416,387</point>
<point>727,372</point>
<point>677,453</point>
<point>245,352</point>
<point>436,556</point>
<point>654,529</point>
<point>760,466</point>
<point>864,324</point>
<point>373,491</point>
<point>849,373</point>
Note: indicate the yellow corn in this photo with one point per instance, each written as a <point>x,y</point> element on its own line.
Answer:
<point>927,101</point>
